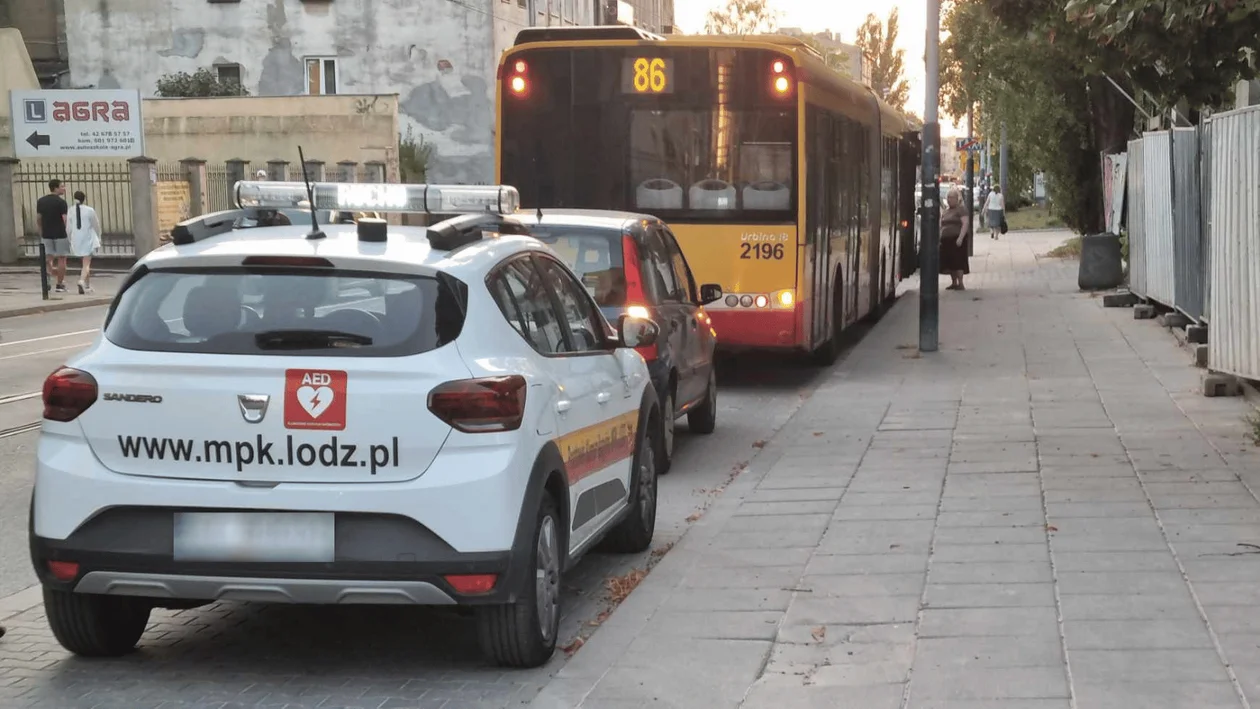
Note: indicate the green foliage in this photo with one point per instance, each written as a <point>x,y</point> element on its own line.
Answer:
<point>878,41</point>
<point>200,84</point>
<point>742,17</point>
<point>413,157</point>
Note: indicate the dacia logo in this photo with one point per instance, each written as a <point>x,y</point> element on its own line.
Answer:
<point>134,398</point>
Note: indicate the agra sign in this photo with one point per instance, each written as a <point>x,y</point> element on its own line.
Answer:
<point>77,123</point>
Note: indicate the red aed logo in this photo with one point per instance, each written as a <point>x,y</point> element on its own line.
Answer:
<point>315,399</point>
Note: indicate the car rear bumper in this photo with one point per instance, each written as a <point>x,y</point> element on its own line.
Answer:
<point>379,559</point>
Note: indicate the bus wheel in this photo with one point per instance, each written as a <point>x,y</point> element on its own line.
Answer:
<point>827,354</point>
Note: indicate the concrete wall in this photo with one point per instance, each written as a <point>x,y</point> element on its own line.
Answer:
<point>17,73</point>
<point>440,57</point>
<point>258,129</point>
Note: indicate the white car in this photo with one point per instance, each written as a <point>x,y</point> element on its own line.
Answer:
<point>258,422</point>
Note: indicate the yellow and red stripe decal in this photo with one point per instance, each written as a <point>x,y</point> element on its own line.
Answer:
<point>594,448</point>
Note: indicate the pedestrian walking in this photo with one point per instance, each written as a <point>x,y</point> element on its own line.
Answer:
<point>51,210</point>
<point>955,228</point>
<point>85,239</point>
<point>995,207</point>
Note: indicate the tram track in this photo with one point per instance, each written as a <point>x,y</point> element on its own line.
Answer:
<point>22,428</point>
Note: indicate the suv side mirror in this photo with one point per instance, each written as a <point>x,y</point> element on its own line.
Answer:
<point>637,332</point>
<point>710,293</point>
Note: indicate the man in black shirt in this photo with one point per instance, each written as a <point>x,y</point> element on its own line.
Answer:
<point>51,211</point>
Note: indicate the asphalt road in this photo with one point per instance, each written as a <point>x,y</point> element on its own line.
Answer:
<point>264,655</point>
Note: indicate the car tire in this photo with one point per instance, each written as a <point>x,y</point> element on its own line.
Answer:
<point>523,634</point>
<point>703,418</point>
<point>634,533</point>
<point>92,625</point>
<point>669,417</point>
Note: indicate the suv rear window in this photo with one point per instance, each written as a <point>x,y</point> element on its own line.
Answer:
<point>594,255</point>
<point>286,312</point>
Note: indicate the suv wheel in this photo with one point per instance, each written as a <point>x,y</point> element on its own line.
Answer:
<point>96,626</point>
<point>523,634</point>
<point>703,418</point>
<point>634,533</point>
<point>669,416</point>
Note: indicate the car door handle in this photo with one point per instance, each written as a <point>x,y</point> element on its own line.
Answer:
<point>603,397</point>
<point>563,406</point>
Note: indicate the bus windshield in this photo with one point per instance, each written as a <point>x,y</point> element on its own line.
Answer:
<point>686,134</point>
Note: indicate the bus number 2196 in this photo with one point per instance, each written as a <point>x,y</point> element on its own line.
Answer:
<point>762,251</point>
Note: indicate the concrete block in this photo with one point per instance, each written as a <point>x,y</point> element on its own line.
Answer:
<point>1176,320</point>
<point>1216,384</point>
<point>1143,312</point>
<point>1200,353</point>
<point>1198,334</point>
<point>1120,300</point>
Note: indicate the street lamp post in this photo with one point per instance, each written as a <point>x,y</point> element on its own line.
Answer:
<point>930,248</point>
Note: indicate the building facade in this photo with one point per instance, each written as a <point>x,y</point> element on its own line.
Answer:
<point>656,16</point>
<point>42,25</point>
<point>439,56</point>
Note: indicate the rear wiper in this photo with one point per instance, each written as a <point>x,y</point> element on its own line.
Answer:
<point>309,339</point>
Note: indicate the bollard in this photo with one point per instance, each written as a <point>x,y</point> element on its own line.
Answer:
<point>43,270</point>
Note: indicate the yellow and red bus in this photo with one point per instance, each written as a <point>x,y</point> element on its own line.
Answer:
<point>787,184</point>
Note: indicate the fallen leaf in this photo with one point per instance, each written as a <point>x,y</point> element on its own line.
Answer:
<point>905,347</point>
<point>894,546</point>
<point>619,587</point>
<point>693,517</point>
<point>819,633</point>
<point>913,355</point>
<point>819,433</point>
<point>573,647</point>
<point>1051,528</point>
<point>759,444</point>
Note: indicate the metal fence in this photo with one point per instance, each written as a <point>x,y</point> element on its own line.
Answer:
<point>1234,251</point>
<point>1137,218</point>
<point>1189,259</point>
<point>106,184</point>
<point>218,189</point>
<point>1158,247</point>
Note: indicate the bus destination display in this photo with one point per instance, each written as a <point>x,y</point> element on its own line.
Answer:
<point>647,75</point>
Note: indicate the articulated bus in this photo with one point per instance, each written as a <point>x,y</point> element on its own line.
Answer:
<point>787,184</point>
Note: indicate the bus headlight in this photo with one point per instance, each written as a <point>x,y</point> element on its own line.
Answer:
<point>785,299</point>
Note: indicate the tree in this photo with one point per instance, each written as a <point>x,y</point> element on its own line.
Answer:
<point>878,41</point>
<point>199,84</point>
<point>742,17</point>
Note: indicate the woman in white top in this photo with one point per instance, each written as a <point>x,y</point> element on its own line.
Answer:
<point>85,238</point>
<point>995,207</point>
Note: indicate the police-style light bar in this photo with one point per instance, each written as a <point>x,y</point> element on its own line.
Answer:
<point>380,197</point>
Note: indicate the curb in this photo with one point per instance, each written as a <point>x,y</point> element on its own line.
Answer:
<point>55,306</point>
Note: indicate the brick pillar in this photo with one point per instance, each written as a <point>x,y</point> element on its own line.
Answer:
<point>144,217</point>
<point>278,170</point>
<point>347,171</point>
<point>315,170</point>
<point>198,196</point>
<point>375,171</point>
<point>10,219</point>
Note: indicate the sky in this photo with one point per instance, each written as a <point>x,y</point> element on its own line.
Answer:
<point>844,17</point>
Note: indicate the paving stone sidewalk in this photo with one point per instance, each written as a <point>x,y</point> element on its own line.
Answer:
<point>20,291</point>
<point>1044,514</point>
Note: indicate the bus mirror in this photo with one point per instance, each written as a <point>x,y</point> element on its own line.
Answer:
<point>709,293</point>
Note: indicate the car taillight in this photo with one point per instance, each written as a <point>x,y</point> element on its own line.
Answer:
<point>634,289</point>
<point>481,405</point>
<point>68,393</point>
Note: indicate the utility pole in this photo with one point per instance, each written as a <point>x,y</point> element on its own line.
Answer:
<point>971,181</point>
<point>1002,158</point>
<point>930,248</point>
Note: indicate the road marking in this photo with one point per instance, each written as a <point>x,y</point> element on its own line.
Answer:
<point>19,397</point>
<point>40,352</point>
<point>19,430</point>
<point>50,337</point>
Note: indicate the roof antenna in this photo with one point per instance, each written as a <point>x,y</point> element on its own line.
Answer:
<point>310,196</point>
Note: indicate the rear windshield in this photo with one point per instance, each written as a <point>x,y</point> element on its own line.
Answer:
<point>286,312</point>
<point>594,255</point>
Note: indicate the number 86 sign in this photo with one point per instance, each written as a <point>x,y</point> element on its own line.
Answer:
<point>650,75</point>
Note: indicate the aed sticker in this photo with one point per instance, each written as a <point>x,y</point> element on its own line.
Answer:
<point>315,398</point>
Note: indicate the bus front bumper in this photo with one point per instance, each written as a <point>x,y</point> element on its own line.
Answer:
<point>756,329</point>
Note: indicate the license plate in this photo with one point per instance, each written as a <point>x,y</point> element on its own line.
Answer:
<point>255,536</point>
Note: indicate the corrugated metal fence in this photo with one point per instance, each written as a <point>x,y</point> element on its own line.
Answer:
<point>1234,217</point>
<point>1194,231</point>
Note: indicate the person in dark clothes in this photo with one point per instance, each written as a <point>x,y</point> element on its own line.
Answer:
<point>51,211</point>
<point>955,228</point>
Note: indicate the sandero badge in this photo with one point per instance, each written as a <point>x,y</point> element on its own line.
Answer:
<point>133,398</point>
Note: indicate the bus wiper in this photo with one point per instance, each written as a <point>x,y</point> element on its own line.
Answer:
<point>309,339</point>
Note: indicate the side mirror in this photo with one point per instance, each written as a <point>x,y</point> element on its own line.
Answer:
<point>710,293</point>
<point>637,332</point>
